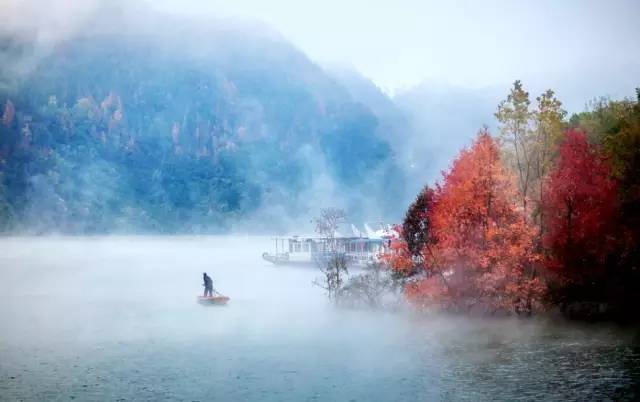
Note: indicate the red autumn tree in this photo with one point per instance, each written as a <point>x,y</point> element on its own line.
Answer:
<point>482,256</point>
<point>580,210</point>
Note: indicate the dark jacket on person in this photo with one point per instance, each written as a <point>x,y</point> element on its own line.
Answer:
<point>208,283</point>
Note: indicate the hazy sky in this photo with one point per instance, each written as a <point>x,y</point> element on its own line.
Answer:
<point>401,43</point>
<point>582,49</point>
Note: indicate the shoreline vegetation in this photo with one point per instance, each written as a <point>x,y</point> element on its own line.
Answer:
<point>543,217</point>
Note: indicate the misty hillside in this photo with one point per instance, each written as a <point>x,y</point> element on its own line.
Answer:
<point>161,124</point>
<point>394,121</point>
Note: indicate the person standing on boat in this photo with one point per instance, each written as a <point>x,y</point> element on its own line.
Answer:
<point>208,285</point>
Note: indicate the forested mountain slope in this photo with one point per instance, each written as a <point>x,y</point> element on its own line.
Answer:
<point>158,124</point>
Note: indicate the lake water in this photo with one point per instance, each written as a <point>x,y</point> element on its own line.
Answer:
<point>116,319</point>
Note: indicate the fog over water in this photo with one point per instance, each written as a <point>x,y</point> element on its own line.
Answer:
<point>116,318</point>
<point>193,117</point>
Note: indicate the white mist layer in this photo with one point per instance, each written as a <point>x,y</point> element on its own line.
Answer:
<point>117,318</point>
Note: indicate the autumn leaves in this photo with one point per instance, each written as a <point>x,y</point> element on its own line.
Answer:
<point>480,252</point>
<point>532,210</point>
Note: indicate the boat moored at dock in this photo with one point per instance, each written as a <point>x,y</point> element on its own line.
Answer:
<point>358,250</point>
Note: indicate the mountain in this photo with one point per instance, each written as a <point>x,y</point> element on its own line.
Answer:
<point>392,119</point>
<point>153,123</point>
<point>393,126</point>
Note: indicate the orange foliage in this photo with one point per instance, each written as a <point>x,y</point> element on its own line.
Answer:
<point>398,258</point>
<point>482,257</point>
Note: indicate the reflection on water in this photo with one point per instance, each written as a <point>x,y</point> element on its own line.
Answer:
<point>116,319</point>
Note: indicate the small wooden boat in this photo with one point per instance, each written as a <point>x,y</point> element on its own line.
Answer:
<point>213,300</point>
